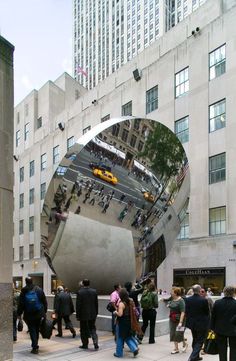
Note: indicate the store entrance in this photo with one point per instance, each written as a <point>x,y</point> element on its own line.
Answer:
<point>213,278</point>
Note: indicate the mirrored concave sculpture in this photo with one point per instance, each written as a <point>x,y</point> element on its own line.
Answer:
<point>115,203</point>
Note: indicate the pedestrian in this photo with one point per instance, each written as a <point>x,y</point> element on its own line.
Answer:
<point>133,293</point>
<point>86,313</point>
<point>122,214</point>
<point>67,205</point>
<point>33,304</point>
<point>149,303</point>
<point>177,320</point>
<point>78,209</point>
<point>101,191</point>
<point>197,319</point>
<point>223,323</point>
<point>64,308</point>
<point>106,206</point>
<point>92,200</point>
<point>115,299</point>
<point>122,197</point>
<point>87,196</point>
<point>123,326</point>
<point>16,297</point>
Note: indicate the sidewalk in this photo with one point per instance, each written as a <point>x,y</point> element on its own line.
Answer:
<point>67,349</point>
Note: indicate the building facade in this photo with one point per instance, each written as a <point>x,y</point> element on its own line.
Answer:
<point>107,34</point>
<point>6,195</point>
<point>188,84</point>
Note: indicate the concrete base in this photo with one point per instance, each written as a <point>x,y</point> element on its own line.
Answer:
<point>6,333</point>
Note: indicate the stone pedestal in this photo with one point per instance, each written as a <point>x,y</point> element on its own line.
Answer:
<point>6,197</point>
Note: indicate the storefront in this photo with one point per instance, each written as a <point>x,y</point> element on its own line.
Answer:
<point>206,277</point>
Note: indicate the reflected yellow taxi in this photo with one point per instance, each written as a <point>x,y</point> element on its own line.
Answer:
<point>148,197</point>
<point>105,175</point>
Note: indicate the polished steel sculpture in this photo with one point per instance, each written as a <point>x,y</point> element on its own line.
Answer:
<point>114,205</point>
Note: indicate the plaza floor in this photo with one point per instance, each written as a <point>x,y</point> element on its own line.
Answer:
<point>67,349</point>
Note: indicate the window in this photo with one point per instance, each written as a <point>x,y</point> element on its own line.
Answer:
<point>217,168</point>
<point>43,161</point>
<point>31,224</point>
<point>152,99</point>
<point>217,116</point>
<point>70,142</point>
<point>107,117</point>
<point>39,122</point>
<point>31,251</point>
<point>21,200</point>
<point>133,141</point>
<point>42,190</point>
<point>124,136</point>
<point>22,174</point>
<point>127,109</point>
<point>17,138</point>
<point>21,226</point>
<point>87,129</point>
<point>184,228</point>
<point>217,62</point>
<point>140,146</point>
<point>56,156</point>
<point>181,82</point>
<point>31,169</point>
<point>182,130</point>
<point>26,131</point>
<point>115,130</point>
<point>217,221</point>
<point>136,124</point>
<point>21,253</point>
<point>31,196</point>
<point>26,110</point>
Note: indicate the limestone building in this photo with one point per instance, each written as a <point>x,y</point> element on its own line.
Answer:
<point>107,34</point>
<point>188,84</point>
<point>6,196</point>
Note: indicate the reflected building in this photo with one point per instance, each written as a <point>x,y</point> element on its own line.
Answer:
<point>194,99</point>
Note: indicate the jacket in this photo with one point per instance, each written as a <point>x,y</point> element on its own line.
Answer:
<point>223,312</point>
<point>30,316</point>
<point>64,304</point>
<point>86,304</point>
<point>197,312</point>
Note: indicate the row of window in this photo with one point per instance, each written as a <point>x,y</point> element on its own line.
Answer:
<point>32,194</point>
<point>217,223</point>
<point>31,225</point>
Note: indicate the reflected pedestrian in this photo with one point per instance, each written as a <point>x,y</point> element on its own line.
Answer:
<point>122,214</point>
<point>106,206</point>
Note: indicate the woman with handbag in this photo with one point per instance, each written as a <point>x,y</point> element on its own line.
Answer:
<point>125,324</point>
<point>222,323</point>
<point>177,320</point>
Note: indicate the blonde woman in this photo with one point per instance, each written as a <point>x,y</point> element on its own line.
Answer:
<point>177,320</point>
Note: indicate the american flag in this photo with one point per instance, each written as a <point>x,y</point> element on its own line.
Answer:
<point>81,70</point>
<point>182,173</point>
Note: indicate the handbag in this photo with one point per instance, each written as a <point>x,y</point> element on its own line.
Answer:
<point>20,326</point>
<point>110,307</point>
<point>46,327</point>
<point>210,345</point>
<point>174,316</point>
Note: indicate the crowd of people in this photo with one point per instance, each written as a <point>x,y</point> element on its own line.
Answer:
<point>194,310</point>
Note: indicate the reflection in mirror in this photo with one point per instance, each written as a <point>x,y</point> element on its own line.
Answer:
<point>111,212</point>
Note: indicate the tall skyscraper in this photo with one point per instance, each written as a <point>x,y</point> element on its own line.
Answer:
<point>108,33</point>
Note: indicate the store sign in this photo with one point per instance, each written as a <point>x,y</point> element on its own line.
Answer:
<point>199,272</point>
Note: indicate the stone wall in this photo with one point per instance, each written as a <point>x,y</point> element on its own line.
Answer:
<point>6,197</point>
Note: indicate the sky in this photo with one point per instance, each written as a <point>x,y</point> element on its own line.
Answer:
<point>41,31</point>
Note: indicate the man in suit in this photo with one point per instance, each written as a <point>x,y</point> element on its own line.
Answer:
<point>86,313</point>
<point>64,307</point>
<point>197,319</point>
<point>222,323</point>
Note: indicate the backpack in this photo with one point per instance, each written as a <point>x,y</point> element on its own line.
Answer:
<point>32,302</point>
<point>147,300</point>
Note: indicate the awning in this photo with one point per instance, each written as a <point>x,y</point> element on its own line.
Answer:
<point>108,147</point>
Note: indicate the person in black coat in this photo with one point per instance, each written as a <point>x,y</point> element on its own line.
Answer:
<point>33,303</point>
<point>64,307</point>
<point>86,313</point>
<point>222,323</point>
<point>197,319</point>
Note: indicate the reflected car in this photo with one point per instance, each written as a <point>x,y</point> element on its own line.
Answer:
<point>102,166</point>
<point>105,175</point>
<point>148,197</point>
